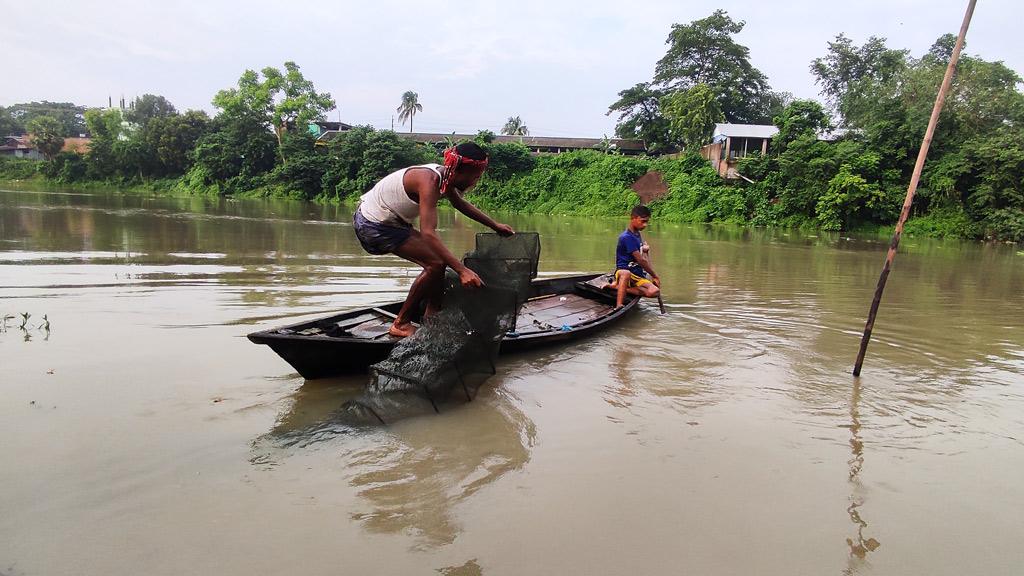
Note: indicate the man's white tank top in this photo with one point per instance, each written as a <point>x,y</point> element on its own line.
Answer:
<point>387,202</point>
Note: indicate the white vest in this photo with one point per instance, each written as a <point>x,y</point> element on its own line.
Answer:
<point>388,203</point>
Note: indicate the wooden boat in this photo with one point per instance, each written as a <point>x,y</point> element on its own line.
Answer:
<point>558,310</point>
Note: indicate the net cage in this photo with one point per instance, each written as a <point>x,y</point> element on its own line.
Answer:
<point>454,351</point>
<point>508,262</point>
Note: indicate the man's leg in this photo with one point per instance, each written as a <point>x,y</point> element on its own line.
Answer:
<point>426,287</point>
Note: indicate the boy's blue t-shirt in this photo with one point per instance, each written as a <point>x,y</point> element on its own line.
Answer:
<point>629,242</point>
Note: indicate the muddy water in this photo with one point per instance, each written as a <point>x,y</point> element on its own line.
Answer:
<point>142,433</point>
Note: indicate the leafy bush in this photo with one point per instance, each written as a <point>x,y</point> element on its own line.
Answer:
<point>359,157</point>
<point>66,167</point>
<point>18,168</point>
<point>948,222</point>
<point>847,196</point>
<point>1005,224</point>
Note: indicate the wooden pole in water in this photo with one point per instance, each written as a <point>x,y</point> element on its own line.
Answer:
<point>912,188</point>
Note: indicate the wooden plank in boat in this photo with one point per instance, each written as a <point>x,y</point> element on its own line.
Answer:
<point>534,306</point>
<point>570,318</point>
<point>567,307</point>
<point>554,319</point>
<point>371,329</point>
<point>354,321</point>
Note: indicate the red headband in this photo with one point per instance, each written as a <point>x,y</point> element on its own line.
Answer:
<point>453,160</point>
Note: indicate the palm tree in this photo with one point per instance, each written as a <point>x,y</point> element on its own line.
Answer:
<point>410,106</point>
<point>515,127</point>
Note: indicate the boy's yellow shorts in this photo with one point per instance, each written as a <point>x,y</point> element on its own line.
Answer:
<point>635,280</point>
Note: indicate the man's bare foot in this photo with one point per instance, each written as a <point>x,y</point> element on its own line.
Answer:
<point>403,330</point>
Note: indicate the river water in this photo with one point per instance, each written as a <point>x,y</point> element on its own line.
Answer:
<point>141,433</point>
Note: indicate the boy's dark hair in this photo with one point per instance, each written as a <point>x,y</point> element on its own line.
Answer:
<point>471,150</point>
<point>641,211</point>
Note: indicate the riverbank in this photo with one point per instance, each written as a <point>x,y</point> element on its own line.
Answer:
<point>570,185</point>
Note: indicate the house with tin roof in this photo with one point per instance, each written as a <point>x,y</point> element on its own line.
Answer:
<point>19,147</point>
<point>540,144</point>
<point>536,144</point>
<point>732,142</point>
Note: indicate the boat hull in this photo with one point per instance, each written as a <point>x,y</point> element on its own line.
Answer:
<point>560,310</point>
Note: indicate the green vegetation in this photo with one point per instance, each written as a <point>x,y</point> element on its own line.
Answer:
<point>25,327</point>
<point>973,182</point>
<point>703,61</point>
<point>591,183</point>
<point>258,143</point>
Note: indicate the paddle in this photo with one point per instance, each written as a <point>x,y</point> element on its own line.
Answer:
<point>661,304</point>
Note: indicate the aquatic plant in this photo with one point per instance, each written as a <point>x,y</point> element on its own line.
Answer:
<point>43,326</point>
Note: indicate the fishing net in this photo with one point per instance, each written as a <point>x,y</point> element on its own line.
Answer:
<point>455,350</point>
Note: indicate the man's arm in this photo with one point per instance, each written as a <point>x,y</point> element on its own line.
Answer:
<point>467,208</point>
<point>428,194</point>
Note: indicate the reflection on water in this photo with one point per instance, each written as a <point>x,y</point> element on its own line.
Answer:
<point>145,429</point>
<point>413,482</point>
<point>412,474</point>
<point>859,546</point>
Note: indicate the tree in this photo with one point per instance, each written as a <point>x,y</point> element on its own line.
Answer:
<point>692,115</point>
<point>409,107</point>
<point>279,102</point>
<point>640,116</point>
<point>361,156</point>
<point>297,103</point>
<point>8,125</point>
<point>71,116</point>
<point>606,146</point>
<point>168,141</point>
<point>47,135</point>
<point>515,127</point>
<point>847,73</point>
<point>231,153</point>
<point>801,118</point>
<point>105,129</point>
<point>704,52</point>
<point>942,49</point>
<point>147,107</point>
<point>506,159</point>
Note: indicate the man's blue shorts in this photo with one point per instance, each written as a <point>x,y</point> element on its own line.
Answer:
<point>379,238</point>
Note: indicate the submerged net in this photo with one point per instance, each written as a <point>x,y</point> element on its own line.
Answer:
<point>455,350</point>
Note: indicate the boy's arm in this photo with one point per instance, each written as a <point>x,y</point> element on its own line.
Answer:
<point>644,263</point>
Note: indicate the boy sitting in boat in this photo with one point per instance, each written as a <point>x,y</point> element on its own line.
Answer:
<point>383,224</point>
<point>632,265</point>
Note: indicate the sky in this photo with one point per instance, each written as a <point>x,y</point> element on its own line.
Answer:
<point>556,64</point>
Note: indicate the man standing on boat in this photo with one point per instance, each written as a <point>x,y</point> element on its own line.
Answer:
<point>632,264</point>
<point>384,219</point>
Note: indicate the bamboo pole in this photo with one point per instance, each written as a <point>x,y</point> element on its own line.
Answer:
<point>912,188</point>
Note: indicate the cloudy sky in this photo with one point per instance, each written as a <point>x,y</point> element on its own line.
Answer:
<point>556,64</point>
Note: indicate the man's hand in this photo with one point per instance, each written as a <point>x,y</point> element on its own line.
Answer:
<point>657,281</point>
<point>469,279</point>
<point>504,229</point>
